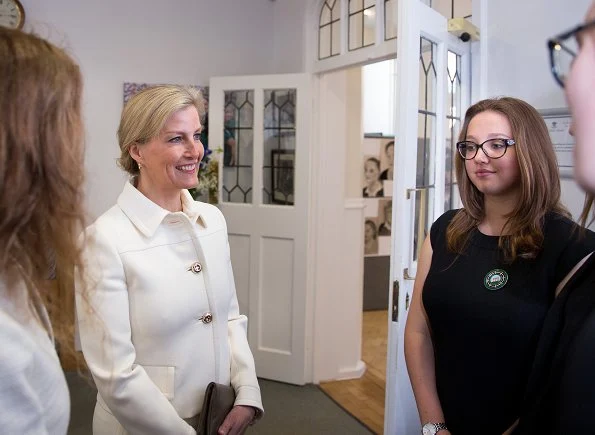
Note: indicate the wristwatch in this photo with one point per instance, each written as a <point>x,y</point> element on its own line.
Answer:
<point>433,428</point>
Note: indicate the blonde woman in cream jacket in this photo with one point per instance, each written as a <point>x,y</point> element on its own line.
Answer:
<point>162,284</point>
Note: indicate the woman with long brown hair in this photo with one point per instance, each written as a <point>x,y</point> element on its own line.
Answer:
<point>41,215</point>
<point>488,273</point>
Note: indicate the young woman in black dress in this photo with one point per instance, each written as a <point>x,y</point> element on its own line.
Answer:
<point>561,392</point>
<point>488,273</point>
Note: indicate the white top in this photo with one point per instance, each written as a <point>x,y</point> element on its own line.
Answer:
<point>34,395</point>
<point>145,339</point>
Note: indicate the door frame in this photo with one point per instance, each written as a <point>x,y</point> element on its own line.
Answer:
<point>320,93</point>
<point>280,365</point>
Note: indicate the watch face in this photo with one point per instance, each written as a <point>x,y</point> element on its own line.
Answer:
<point>428,429</point>
<point>11,14</point>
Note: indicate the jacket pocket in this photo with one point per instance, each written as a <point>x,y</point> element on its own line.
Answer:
<point>163,377</point>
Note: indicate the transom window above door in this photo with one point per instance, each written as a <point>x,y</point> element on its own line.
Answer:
<point>348,25</point>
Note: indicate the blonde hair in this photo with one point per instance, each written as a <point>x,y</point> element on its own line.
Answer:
<point>146,113</point>
<point>41,171</point>
<point>539,182</point>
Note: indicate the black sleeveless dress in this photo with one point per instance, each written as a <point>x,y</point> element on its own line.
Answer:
<point>485,316</point>
<point>561,392</point>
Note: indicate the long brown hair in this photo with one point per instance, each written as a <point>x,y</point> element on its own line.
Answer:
<point>41,169</point>
<point>539,183</point>
<point>586,218</point>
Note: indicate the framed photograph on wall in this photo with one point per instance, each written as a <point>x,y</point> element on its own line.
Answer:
<point>558,124</point>
<point>283,170</point>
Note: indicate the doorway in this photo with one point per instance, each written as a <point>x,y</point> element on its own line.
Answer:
<point>369,160</point>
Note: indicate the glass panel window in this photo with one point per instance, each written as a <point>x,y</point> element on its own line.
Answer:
<point>335,38</point>
<point>238,144</point>
<point>329,29</point>
<point>426,145</point>
<point>362,24</point>
<point>279,147</point>
<point>453,126</point>
<point>355,6</point>
<point>369,26</point>
<point>451,8</point>
<point>324,43</point>
<point>427,74</point>
<point>390,19</point>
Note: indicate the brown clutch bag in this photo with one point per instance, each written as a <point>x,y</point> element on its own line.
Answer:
<point>219,400</point>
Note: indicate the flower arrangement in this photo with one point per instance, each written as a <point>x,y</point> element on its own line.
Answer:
<point>208,178</point>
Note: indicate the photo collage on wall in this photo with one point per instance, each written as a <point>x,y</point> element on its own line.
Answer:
<point>377,189</point>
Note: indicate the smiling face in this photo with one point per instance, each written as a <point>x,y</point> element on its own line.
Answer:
<point>371,171</point>
<point>492,177</point>
<point>170,161</point>
<point>580,92</point>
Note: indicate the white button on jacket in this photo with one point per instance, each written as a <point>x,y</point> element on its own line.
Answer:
<point>142,330</point>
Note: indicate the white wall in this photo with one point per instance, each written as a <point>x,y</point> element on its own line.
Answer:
<point>180,41</point>
<point>518,62</point>
<point>378,89</point>
<point>289,39</point>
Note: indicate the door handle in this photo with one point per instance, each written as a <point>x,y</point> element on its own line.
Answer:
<point>421,221</point>
<point>395,314</point>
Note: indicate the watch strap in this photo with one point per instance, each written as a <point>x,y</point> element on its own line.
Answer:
<point>435,427</point>
<point>440,426</point>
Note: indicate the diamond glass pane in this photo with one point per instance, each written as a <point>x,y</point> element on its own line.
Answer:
<point>336,10</point>
<point>238,138</point>
<point>279,146</point>
<point>325,14</point>
<point>427,75</point>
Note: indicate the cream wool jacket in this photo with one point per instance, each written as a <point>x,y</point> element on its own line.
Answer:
<point>144,328</point>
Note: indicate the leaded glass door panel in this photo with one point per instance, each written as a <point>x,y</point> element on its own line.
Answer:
<point>433,89</point>
<point>263,124</point>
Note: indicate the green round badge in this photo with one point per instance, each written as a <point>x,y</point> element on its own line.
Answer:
<point>495,279</point>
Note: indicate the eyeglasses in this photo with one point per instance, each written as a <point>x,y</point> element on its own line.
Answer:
<point>563,49</point>
<point>493,148</point>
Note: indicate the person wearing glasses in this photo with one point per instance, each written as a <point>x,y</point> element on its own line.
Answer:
<point>488,273</point>
<point>561,391</point>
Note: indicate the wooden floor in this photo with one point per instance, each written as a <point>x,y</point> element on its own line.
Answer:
<point>364,397</point>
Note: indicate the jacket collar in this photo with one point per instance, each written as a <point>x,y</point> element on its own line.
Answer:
<point>147,216</point>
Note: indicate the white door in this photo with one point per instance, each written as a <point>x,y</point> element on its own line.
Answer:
<point>262,125</point>
<point>433,77</point>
